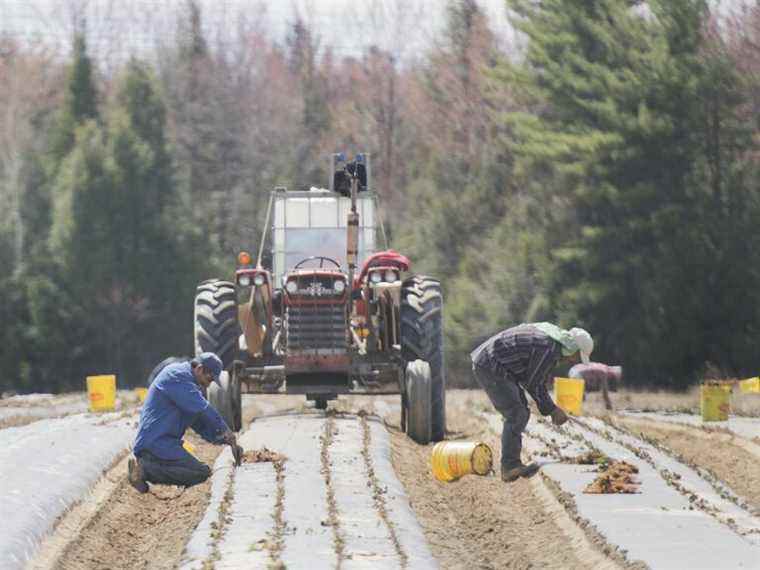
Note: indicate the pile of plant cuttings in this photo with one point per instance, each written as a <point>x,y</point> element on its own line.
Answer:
<point>594,457</point>
<point>615,477</point>
<point>262,455</point>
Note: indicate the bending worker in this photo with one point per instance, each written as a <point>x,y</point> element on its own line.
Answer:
<point>173,404</point>
<point>523,357</point>
<point>597,376</point>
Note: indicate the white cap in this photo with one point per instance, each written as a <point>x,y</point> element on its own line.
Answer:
<point>585,343</point>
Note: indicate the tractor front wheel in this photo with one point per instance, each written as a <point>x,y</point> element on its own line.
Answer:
<point>422,338</point>
<point>236,401</point>
<point>222,396</point>
<point>419,416</point>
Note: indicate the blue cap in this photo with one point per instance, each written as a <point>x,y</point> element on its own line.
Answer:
<point>212,363</point>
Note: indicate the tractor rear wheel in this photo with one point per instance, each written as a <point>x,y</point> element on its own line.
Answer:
<point>419,417</point>
<point>161,365</point>
<point>422,338</point>
<point>216,327</point>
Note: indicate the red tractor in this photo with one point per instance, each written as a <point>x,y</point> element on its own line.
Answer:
<point>331,315</point>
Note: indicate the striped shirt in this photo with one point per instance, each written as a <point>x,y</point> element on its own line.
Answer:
<point>525,355</point>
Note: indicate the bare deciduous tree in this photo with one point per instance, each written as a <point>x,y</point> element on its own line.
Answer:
<point>25,75</point>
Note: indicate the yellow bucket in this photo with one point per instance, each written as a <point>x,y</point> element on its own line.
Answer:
<point>750,385</point>
<point>450,460</point>
<point>568,393</point>
<point>715,402</point>
<point>142,393</point>
<point>101,391</point>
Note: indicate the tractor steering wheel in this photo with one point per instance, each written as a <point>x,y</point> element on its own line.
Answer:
<point>321,259</point>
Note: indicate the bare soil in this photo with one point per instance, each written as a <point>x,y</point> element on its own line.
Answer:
<point>126,401</point>
<point>141,531</point>
<point>724,455</point>
<point>476,522</point>
<point>41,400</point>
<point>665,401</point>
<point>17,421</point>
<point>130,530</point>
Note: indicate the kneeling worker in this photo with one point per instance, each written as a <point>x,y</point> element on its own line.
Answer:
<point>523,357</point>
<point>173,404</point>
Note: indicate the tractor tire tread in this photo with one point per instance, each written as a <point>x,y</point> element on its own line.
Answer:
<point>216,327</point>
<point>421,322</point>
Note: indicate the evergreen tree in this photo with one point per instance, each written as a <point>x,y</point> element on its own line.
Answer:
<point>188,76</point>
<point>708,247</point>
<point>79,103</point>
<point>15,334</point>
<point>121,266</point>
<point>56,335</point>
<point>192,43</point>
<point>588,85</point>
<point>622,132</point>
<point>63,311</point>
<point>151,306</point>
<point>208,137</point>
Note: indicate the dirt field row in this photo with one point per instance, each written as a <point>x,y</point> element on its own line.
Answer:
<point>128,530</point>
<point>21,411</point>
<point>725,456</point>
<point>477,522</point>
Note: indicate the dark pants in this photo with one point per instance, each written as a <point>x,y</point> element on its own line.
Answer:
<point>186,471</point>
<point>509,400</point>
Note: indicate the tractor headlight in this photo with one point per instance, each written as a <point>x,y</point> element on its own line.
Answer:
<point>391,276</point>
<point>339,286</point>
<point>244,280</point>
<point>291,287</point>
<point>259,279</point>
<point>375,277</point>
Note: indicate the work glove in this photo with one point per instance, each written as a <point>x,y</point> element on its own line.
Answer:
<point>237,451</point>
<point>559,416</point>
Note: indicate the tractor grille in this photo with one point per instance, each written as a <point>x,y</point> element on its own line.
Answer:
<point>315,327</point>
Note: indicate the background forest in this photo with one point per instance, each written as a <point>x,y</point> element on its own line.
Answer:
<point>601,171</point>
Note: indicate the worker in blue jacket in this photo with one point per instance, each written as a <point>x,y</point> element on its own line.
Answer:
<point>174,403</point>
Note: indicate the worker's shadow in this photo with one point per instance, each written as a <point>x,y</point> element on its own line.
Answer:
<point>544,462</point>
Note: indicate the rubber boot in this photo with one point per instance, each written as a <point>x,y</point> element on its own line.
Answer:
<point>517,470</point>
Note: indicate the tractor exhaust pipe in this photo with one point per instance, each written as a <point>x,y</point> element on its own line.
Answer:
<point>352,239</point>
